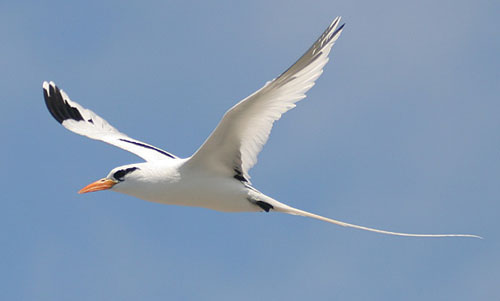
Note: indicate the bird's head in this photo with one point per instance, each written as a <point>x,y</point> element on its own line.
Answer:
<point>116,178</point>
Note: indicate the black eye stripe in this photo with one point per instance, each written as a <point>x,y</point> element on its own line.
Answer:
<point>122,172</point>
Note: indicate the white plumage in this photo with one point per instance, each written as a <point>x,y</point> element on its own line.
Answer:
<point>84,122</point>
<point>216,176</point>
<point>245,127</point>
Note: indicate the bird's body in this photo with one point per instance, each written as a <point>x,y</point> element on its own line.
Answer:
<point>174,182</point>
<point>216,175</point>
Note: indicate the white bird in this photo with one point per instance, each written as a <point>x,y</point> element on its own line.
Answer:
<point>216,176</point>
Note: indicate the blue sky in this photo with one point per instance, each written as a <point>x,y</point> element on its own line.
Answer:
<point>401,132</point>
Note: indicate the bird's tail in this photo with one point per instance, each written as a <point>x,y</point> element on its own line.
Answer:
<point>280,207</point>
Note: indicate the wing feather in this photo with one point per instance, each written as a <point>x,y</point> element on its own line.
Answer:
<point>84,122</point>
<point>235,143</point>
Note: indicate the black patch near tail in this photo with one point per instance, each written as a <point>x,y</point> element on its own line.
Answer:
<point>265,206</point>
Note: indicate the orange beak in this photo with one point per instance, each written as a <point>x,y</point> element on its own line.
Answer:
<point>102,184</point>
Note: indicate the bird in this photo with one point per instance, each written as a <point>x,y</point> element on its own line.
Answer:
<point>216,176</point>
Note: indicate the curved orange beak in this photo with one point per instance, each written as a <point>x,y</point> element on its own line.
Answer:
<point>102,184</point>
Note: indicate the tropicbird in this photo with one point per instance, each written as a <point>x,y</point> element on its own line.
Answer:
<point>216,176</point>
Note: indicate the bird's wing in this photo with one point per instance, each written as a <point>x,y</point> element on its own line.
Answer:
<point>233,146</point>
<point>84,122</point>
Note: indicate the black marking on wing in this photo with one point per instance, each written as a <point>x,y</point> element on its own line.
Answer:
<point>59,107</point>
<point>149,147</point>
<point>239,175</point>
<point>122,172</point>
<point>265,206</point>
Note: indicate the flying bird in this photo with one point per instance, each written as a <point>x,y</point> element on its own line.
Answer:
<point>216,175</point>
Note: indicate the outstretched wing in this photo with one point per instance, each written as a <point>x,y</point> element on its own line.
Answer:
<point>233,146</point>
<point>84,122</point>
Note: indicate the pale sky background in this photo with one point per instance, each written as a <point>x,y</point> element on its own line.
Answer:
<point>402,132</point>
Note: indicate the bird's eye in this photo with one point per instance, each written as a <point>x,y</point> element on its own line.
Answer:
<point>120,174</point>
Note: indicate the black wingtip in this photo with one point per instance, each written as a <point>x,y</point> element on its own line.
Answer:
<point>58,107</point>
<point>338,30</point>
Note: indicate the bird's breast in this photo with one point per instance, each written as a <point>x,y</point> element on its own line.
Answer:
<point>207,191</point>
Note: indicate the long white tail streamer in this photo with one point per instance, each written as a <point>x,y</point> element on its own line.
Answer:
<point>294,211</point>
